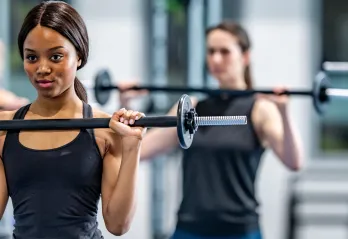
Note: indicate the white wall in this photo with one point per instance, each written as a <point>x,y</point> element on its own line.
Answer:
<point>285,52</point>
<point>117,40</point>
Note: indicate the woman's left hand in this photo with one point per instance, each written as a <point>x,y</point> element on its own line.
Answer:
<point>281,100</point>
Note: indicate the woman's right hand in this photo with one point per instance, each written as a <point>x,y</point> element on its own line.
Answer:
<point>121,121</point>
<point>126,94</point>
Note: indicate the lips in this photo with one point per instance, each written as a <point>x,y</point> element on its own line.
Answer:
<point>44,83</point>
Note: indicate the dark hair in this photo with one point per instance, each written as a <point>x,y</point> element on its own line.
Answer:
<point>65,20</point>
<point>243,40</point>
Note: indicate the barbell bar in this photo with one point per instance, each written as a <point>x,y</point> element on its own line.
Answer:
<point>186,121</point>
<point>321,92</point>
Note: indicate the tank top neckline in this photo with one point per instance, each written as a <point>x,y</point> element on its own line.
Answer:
<point>26,108</point>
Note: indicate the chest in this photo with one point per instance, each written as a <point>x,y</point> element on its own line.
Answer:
<point>72,165</point>
<point>44,140</point>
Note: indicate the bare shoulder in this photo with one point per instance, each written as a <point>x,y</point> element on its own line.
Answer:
<point>6,115</point>
<point>265,112</point>
<point>106,134</point>
<point>97,113</point>
<point>264,107</point>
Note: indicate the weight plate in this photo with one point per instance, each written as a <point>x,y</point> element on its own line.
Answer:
<point>185,138</point>
<point>102,78</point>
<point>320,99</point>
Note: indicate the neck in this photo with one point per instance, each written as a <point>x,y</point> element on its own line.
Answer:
<point>67,102</point>
<point>236,84</point>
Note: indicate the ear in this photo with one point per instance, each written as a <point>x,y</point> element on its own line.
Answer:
<point>79,62</point>
<point>246,56</point>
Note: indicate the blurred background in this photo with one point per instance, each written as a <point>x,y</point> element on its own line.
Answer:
<point>161,42</point>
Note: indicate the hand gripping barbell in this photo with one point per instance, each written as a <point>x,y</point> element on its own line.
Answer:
<point>321,93</point>
<point>187,122</point>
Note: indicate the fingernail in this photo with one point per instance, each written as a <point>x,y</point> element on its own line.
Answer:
<point>131,121</point>
<point>121,119</point>
<point>136,117</point>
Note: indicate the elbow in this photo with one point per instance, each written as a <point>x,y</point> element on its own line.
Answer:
<point>118,229</point>
<point>296,165</point>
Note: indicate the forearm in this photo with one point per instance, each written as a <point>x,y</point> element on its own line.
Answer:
<point>122,203</point>
<point>158,141</point>
<point>292,150</point>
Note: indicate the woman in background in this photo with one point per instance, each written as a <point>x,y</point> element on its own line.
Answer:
<point>220,167</point>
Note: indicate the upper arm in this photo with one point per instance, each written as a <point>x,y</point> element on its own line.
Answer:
<point>268,123</point>
<point>111,168</point>
<point>4,115</point>
<point>3,190</point>
<point>112,157</point>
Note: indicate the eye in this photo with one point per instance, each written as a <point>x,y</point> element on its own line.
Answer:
<point>31,57</point>
<point>211,51</point>
<point>56,57</point>
<point>224,51</point>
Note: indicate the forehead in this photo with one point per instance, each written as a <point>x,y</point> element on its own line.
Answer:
<point>220,38</point>
<point>45,38</point>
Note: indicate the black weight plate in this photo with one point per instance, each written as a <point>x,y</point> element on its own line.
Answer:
<point>102,78</point>
<point>320,99</point>
<point>185,138</point>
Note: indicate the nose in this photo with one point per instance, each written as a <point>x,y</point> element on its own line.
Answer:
<point>216,57</point>
<point>43,68</point>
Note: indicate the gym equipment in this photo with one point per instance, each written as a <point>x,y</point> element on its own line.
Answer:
<point>321,91</point>
<point>187,122</point>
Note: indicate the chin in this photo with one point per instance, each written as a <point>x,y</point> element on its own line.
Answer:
<point>47,94</point>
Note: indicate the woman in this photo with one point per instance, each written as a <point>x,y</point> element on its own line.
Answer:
<point>55,178</point>
<point>220,167</point>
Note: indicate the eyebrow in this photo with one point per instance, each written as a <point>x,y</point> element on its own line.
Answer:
<point>51,49</point>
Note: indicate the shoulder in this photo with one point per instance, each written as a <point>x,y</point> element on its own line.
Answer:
<point>110,137</point>
<point>262,105</point>
<point>6,115</point>
<point>97,113</point>
<point>263,110</point>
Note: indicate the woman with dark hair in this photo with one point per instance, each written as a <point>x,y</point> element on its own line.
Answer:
<point>220,167</point>
<point>55,178</point>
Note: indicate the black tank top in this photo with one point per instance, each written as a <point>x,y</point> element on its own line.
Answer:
<point>219,171</point>
<point>54,192</point>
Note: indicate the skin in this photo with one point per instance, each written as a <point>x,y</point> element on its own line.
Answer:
<point>48,55</point>
<point>270,118</point>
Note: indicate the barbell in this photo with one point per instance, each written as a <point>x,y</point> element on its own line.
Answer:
<point>186,121</point>
<point>321,92</point>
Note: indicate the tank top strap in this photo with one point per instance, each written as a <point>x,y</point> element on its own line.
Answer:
<point>87,111</point>
<point>87,114</point>
<point>21,112</point>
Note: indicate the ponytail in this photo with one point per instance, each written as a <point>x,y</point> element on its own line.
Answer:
<point>80,90</point>
<point>247,77</point>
